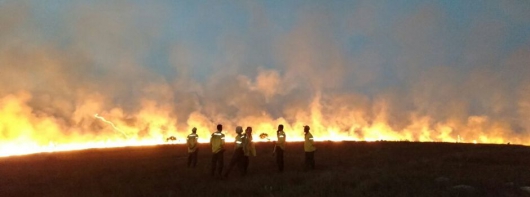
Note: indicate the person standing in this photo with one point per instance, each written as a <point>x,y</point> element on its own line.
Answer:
<point>280,147</point>
<point>309,149</point>
<point>248,148</point>
<point>193,150</point>
<point>238,156</point>
<point>217,142</point>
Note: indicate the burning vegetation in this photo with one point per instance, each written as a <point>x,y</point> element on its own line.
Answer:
<point>171,139</point>
<point>106,85</point>
<point>264,136</point>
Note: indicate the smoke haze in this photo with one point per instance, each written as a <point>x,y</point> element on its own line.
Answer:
<point>360,70</point>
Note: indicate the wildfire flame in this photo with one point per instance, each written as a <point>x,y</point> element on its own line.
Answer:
<point>26,133</point>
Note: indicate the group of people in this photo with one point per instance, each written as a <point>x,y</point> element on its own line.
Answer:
<point>243,148</point>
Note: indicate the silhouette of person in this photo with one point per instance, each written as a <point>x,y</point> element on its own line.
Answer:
<point>280,147</point>
<point>238,156</point>
<point>248,148</point>
<point>193,150</point>
<point>217,142</point>
<point>309,149</point>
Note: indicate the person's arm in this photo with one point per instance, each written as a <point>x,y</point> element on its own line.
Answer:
<point>223,140</point>
<point>244,143</point>
<point>194,144</point>
<point>312,142</point>
<point>277,142</point>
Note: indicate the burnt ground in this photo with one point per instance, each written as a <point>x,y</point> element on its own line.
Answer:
<point>343,169</point>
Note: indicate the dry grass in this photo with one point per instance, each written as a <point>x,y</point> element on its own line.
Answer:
<point>343,169</point>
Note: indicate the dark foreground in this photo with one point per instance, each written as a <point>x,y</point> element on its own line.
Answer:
<point>343,169</point>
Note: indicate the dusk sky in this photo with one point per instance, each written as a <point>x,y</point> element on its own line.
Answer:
<point>427,70</point>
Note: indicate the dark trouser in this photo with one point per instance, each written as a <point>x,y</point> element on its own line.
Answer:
<point>217,162</point>
<point>244,165</point>
<point>279,158</point>
<point>310,160</point>
<point>237,158</point>
<point>192,158</point>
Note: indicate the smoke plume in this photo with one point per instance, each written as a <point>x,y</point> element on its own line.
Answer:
<point>355,74</point>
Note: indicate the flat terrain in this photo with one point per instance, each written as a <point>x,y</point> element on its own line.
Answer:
<point>343,169</point>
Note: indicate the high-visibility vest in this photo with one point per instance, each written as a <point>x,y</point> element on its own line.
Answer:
<point>281,140</point>
<point>192,142</point>
<point>217,141</point>
<point>308,143</point>
<point>239,141</point>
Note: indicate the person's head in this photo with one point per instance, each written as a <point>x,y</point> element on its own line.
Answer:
<point>219,127</point>
<point>194,130</point>
<point>239,130</point>
<point>306,129</point>
<point>280,127</point>
<point>248,130</point>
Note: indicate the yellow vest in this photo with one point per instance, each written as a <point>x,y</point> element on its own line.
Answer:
<point>239,141</point>
<point>217,141</point>
<point>308,143</point>
<point>192,142</point>
<point>281,140</point>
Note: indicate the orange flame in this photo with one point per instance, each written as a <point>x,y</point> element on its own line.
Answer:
<point>25,132</point>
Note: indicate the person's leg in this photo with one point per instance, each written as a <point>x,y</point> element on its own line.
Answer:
<point>240,165</point>
<point>245,165</point>
<point>214,163</point>
<point>312,160</point>
<point>195,157</point>
<point>236,157</point>
<point>190,158</point>
<point>279,159</point>
<point>220,162</point>
<point>307,161</point>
